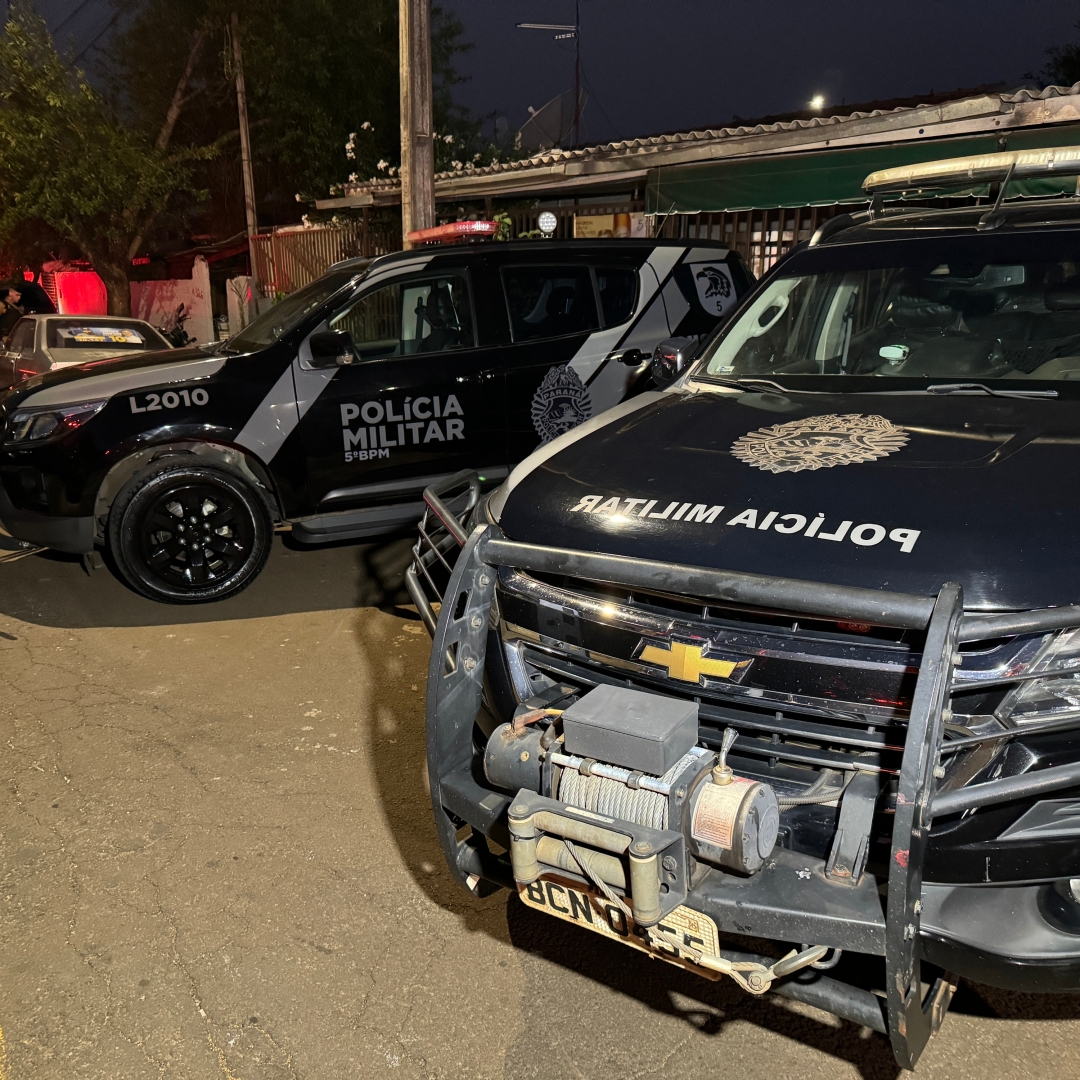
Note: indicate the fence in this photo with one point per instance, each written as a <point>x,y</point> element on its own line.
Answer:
<point>759,236</point>
<point>285,261</point>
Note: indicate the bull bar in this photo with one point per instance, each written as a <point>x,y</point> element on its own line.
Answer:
<point>776,903</point>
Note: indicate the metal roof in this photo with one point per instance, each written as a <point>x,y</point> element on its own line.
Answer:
<point>629,160</point>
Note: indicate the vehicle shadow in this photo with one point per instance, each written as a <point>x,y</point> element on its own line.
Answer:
<point>398,755</point>
<point>53,589</point>
<point>708,1007</point>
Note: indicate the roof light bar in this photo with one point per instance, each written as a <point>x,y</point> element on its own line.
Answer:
<point>456,230</point>
<point>978,169</point>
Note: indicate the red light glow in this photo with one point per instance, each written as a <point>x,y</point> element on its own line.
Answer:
<point>81,292</point>
<point>456,230</point>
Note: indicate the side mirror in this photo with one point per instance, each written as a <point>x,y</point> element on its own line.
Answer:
<point>332,348</point>
<point>671,358</point>
<point>631,357</point>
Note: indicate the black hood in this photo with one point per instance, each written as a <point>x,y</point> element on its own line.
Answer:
<point>975,489</point>
<point>130,362</point>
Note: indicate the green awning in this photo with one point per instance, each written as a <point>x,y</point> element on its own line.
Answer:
<point>826,177</point>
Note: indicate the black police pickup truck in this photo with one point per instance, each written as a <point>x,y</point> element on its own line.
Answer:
<point>775,674</point>
<point>333,410</point>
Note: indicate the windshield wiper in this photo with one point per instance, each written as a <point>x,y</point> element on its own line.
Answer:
<point>982,388</point>
<point>758,384</point>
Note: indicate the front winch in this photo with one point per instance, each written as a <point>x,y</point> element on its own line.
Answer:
<point>633,757</point>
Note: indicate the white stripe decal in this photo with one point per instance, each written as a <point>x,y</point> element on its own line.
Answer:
<point>309,381</point>
<point>395,269</point>
<point>675,303</point>
<point>273,421</point>
<point>301,385</point>
<point>106,385</point>
<point>663,260</point>
<point>608,381</point>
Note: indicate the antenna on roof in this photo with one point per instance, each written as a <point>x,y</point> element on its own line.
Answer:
<point>563,32</point>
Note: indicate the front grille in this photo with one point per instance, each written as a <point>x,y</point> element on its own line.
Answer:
<point>815,693</point>
<point>729,615</point>
<point>821,667</point>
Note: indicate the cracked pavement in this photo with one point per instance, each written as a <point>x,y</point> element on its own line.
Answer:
<point>217,861</point>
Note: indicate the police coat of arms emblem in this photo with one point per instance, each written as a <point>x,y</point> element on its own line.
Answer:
<point>819,442</point>
<point>561,402</point>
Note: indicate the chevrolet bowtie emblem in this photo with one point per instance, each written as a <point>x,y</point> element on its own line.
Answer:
<point>685,662</point>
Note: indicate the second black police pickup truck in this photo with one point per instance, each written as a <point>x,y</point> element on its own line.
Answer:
<point>775,675</point>
<point>333,410</point>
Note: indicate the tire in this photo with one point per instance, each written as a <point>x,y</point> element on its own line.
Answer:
<point>155,517</point>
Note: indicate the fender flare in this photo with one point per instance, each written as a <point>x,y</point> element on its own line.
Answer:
<point>209,453</point>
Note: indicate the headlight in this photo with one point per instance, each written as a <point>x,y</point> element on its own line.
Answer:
<point>39,425</point>
<point>1056,690</point>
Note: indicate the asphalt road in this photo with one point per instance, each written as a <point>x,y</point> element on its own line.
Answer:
<point>217,861</point>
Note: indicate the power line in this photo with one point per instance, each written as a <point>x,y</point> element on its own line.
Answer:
<point>63,22</point>
<point>99,35</point>
<point>592,94</point>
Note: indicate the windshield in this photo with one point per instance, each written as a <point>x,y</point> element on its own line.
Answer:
<point>288,312</point>
<point>960,309</point>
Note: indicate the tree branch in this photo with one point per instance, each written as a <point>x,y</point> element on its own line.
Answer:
<point>178,98</point>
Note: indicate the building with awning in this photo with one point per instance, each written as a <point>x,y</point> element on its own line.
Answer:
<point>763,186</point>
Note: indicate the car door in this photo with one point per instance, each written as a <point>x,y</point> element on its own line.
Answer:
<point>20,350</point>
<point>422,398</point>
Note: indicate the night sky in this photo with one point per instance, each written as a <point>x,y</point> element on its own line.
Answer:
<point>670,65</point>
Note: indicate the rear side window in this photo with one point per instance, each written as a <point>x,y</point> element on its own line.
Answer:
<point>618,292</point>
<point>22,337</point>
<point>550,301</point>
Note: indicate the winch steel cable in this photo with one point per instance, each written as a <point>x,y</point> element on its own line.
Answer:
<point>612,798</point>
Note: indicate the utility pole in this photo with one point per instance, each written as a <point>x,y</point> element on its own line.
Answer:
<point>245,141</point>
<point>417,144</point>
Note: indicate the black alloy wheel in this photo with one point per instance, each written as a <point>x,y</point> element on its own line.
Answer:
<point>189,533</point>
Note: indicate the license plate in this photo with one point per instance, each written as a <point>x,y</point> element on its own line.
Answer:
<point>567,900</point>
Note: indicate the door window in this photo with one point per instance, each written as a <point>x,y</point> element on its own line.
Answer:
<point>428,315</point>
<point>618,291</point>
<point>550,301</point>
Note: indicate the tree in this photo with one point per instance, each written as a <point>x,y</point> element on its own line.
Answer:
<point>69,162</point>
<point>1063,67</point>
<point>322,83</point>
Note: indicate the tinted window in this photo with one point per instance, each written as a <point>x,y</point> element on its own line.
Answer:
<point>618,291</point>
<point>86,333</point>
<point>549,301</point>
<point>22,337</point>
<point>427,315</point>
